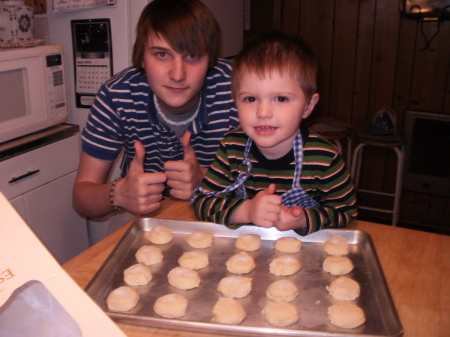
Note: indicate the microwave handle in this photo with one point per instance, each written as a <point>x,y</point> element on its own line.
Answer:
<point>23,176</point>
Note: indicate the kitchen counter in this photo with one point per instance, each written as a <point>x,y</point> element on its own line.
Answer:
<point>36,139</point>
<point>415,264</point>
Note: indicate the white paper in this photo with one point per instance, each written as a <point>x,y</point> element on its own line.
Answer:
<point>33,311</point>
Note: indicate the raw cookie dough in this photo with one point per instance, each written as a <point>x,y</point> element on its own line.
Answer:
<point>200,239</point>
<point>228,311</point>
<point>346,315</point>
<point>336,246</point>
<point>159,235</point>
<point>338,265</point>
<point>171,306</point>
<point>149,255</point>
<point>284,265</point>
<point>122,299</point>
<point>194,259</point>
<point>183,278</point>
<point>280,313</point>
<point>241,263</point>
<point>344,288</point>
<point>137,275</point>
<point>235,286</point>
<point>282,291</point>
<point>248,242</point>
<point>288,245</point>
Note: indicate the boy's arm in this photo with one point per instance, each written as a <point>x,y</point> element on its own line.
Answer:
<point>217,209</point>
<point>337,200</point>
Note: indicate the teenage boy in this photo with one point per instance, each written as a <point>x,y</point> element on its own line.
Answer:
<point>273,172</point>
<point>168,112</point>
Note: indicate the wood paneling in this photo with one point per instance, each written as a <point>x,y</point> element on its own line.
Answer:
<point>371,56</point>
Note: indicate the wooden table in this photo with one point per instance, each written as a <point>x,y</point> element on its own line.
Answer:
<point>416,266</point>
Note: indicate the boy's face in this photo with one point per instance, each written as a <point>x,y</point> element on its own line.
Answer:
<point>175,78</point>
<point>271,109</point>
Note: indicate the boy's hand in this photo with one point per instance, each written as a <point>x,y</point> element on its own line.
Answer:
<point>263,210</point>
<point>139,192</point>
<point>184,176</point>
<point>290,218</point>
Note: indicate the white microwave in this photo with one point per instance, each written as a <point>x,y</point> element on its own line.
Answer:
<point>32,90</point>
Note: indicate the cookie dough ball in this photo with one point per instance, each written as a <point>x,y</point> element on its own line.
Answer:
<point>194,260</point>
<point>149,255</point>
<point>282,291</point>
<point>137,275</point>
<point>122,299</point>
<point>288,245</point>
<point>248,242</point>
<point>336,246</point>
<point>346,315</point>
<point>183,278</point>
<point>280,313</point>
<point>344,288</point>
<point>228,311</point>
<point>241,263</point>
<point>200,239</point>
<point>171,306</point>
<point>284,265</point>
<point>235,286</point>
<point>338,265</point>
<point>160,235</point>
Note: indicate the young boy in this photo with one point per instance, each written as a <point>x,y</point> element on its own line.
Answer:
<point>168,112</point>
<point>273,172</point>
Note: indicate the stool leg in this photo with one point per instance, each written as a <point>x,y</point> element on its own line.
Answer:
<point>398,183</point>
<point>349,152</point>
<point>356,164</point>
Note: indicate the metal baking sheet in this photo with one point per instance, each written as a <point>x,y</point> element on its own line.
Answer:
<point>312,302</point>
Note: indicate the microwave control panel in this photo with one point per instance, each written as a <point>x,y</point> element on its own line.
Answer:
<point>92,49</point>
<point>55,82</point>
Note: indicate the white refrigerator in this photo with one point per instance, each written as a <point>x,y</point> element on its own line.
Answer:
<point>123,18</point>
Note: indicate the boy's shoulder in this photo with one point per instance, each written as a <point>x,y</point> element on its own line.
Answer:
<point>316,142</point>
<point>235,136</point>
<point>127,78</point>
<point>222,68</point>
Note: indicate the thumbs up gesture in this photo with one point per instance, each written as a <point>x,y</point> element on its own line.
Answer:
<point>262,210</point>
<point>291,218</point>
<point>184,176</point>
<point>140,192</point>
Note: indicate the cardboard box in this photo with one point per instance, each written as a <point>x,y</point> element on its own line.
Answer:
<point>37,297</point>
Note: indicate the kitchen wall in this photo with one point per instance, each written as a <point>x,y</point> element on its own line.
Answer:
<point>371,57</point>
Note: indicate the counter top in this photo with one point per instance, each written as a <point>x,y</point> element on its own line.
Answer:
<point>36,139</point>
<point>415,264</point>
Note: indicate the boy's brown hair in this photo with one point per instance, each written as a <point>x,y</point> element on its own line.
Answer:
<point>277,52</point>
<point>187,25</point>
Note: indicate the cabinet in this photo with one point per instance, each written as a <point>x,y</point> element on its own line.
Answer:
<point>44,198</point>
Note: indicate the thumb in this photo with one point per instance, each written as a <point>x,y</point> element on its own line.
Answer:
<point>296,211</point>
<point>188,150</point>
<point>138,161</point>
<point>271,189</point>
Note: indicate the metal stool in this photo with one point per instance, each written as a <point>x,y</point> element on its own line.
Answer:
<point>396,142</point>
<point>335,131</point>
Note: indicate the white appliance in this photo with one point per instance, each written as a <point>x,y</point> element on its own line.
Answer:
<point>32,90</point>
<point>123,19</point>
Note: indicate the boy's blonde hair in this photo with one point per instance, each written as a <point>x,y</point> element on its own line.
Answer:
<point>187,25</point>
<point>277,52</point>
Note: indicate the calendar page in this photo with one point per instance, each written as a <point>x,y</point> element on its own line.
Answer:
<point>92,58</point>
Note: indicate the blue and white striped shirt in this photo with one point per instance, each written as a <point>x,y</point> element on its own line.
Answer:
<point>123,112</point>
